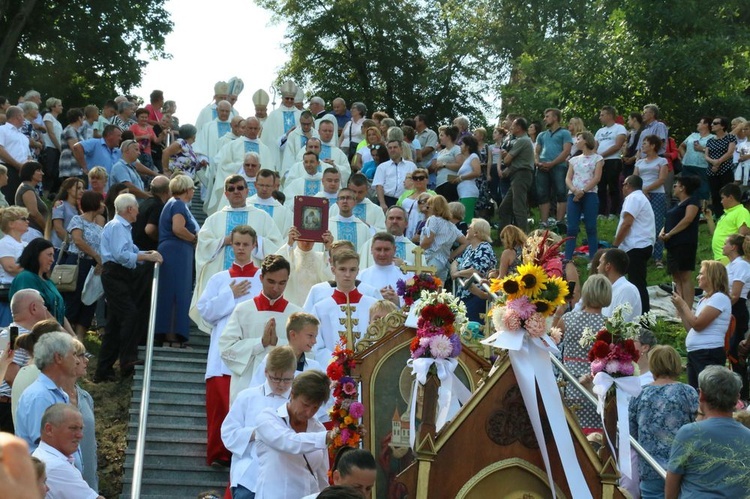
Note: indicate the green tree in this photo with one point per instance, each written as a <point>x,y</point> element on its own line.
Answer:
<point>402,57</point>
<point>81,52</point>
<point>689,58</point>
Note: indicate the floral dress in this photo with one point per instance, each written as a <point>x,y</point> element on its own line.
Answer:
<point>186,160</point>
<point>482,259</point>
<point>575,358</point>
<point>655,416</point>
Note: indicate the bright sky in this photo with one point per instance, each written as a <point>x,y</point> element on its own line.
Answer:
<point>238,41</point>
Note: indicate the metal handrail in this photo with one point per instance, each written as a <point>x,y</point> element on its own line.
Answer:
<point>572,379</point>
<point>140,443</point>
<point>633,442</point>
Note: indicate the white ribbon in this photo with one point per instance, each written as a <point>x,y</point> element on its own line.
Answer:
<point>529,357</point>
<point>450,387</point>
<point>625,388</point>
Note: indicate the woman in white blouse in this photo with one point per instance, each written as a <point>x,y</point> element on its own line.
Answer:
<point>292,445</point>
<point>14,222</point>
<point>447,162</point>
<point>738,272</point>
<point>709,324</point>
<point>653,169</point>
<point>52,142</point>
<point>582,179</point>
<point>470,169</point>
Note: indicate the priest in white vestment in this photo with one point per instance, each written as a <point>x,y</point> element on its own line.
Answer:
<point>317,107</point>
<point>364,209</point>
<point>345,225</point>
<point>263,200</point>
<point>208,139</point>
<point>257,325</point>
<point>210,112</point>
<point>224,291</point>
<point>307,185</point>
<point>295,141</point>
<point>237,130</point>
<point>281,120</point>
<point>236,86</point>
<point>230,160</point>
<point>309,267</point>
<point>260,101</point>
<point>214,252</point>
<point>328,154</point>
<point>384,273</point>
<point>395,225</point>
<point>249,171</point>
<point>331,183</point>
<point>345,300</point>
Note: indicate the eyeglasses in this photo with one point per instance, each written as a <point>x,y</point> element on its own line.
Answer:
<point>419,178</point>
<point>233,188</point>
<point>280,380</point>
<point>346,198</point>
<point>249,165</point>
<point>23,219</point>
<point>422,201</point>
<point>716,122</point>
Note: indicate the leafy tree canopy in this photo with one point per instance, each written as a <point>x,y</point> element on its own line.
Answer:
<point>82,52</point>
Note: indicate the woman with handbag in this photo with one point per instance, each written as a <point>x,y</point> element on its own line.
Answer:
<point>37,259</point>
<point>14,223</point>
<point>64,208</point>
<point>83,250</point>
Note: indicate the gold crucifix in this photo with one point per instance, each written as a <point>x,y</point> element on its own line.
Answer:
<point>487,328</point>
<point>418,267</point>
<point>348,322</point>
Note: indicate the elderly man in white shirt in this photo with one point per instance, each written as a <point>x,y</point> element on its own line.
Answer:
<point>636,234</point>
<point>62,430</point>
<point>14,149</point>
<point>389,177</point>
<point>614,265</point>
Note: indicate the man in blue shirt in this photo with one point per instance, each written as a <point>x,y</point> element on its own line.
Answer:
<point>552,150</point>
<point>55,356</point>
<point>127,290</point>
<point>342,114</point>
<point>99,152</point>
<point>124,170</point>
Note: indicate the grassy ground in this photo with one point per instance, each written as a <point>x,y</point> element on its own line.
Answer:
<point>111,404</point>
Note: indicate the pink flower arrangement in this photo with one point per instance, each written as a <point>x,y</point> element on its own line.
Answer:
<point>536,325</point>
<point>441,318</point>
<point>356,410</point>
<point>441,347</point>
<point>522,307</point>
<point>512,321</point>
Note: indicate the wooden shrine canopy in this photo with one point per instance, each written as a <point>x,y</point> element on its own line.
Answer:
<point>487,450</point>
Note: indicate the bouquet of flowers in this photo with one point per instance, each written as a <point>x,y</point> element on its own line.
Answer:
<point>613,347</point>
<point>532,294</point>
<point>441,319</point>
<point>346,411</point>
<point>411,289</point>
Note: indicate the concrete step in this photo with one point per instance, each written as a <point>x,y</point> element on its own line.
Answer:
<point>157,458</point>
<point>200,353</point>
<point>165,381</point>
<point>186,368</point>
<point>197,418</point>
<point>174,487</point>
<point>167,404</point>
<point>176,443</point>
<point>196,433</point>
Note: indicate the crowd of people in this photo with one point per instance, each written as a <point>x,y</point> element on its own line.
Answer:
<point>313,218</point>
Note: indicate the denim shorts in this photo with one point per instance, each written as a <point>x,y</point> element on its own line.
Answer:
<point>556,177</point>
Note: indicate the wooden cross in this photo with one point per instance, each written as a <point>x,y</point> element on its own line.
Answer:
<point>348,322</point>
<point>487,328</point>
<point>418,267</point>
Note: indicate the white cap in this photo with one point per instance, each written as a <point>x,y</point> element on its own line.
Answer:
<point>221,88</point>
<point>289,89</point>
<point>299,96</point>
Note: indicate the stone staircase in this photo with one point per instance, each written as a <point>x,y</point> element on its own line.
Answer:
<point>174,463</point>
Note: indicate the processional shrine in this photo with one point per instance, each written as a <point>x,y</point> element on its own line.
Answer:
<point>488,449</point>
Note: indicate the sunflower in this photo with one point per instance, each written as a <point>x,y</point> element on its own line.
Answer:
<point>556,291</point>
<point>532,278</point>
<point>544,307</point>
<point>510,286</point>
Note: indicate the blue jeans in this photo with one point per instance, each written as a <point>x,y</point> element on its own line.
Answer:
<point>589,206</point>
<point>240,492</point>
<point>554,178</point>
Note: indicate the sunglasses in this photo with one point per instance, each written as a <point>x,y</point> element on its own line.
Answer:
<point>419,178</point>
<point>373,147</point>
<point>422,201</point>
<point>232,188</point>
